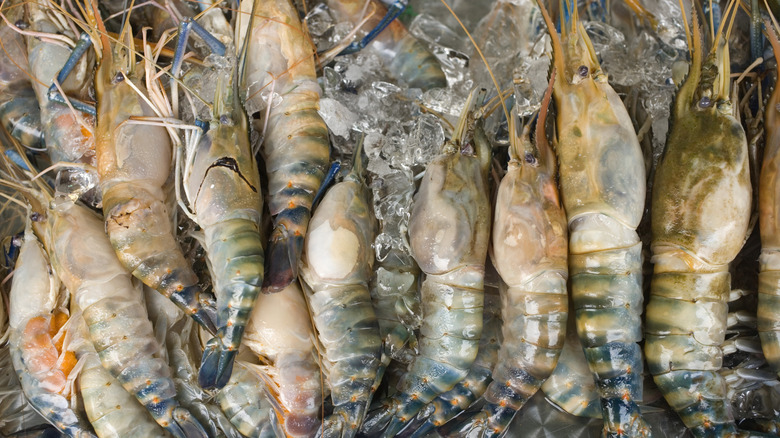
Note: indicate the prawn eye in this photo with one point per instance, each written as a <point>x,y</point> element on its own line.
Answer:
<point>118,77</point>
<point>705,102</point>
<point>21,24</point>
<point>529,158</point>
<point>583,71</point>
<point>36,217</point>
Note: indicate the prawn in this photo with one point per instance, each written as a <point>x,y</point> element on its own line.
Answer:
<point>19,110</point>
<point>446,406</point>
<point>769,223</point>
<point>112,410</point>
<point>402,54</point>
<point>530,253</point>
<point>295,139</point>
<point>602,180</point>
<point>222,184</point>
<point>115,314</point>
<point>449,230</point>
<point>68,136</point>
<point>336,268</point>
<point>281,334</point>
<point>38,324</point>
<point>699,220</point>
<point>134,162</point>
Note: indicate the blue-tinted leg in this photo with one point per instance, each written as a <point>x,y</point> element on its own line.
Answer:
<point>756,37</point>
<point>327,181</point>
<point>82,45</point>
<point>392,13</point>
<point>185,27</point>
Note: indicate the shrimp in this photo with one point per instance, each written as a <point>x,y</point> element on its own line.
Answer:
<point>19,110</point>
<point>115,314</point>
<point>446,406</point>
<point>769,222</point>
<point>112,410</point>
<point>134,162</point>
<point>246,404</point>
<point>68,138</point>
<point>449,231</point>
<point>602,180</point>
<point>700,216</point>
<point>530,253</point>
<point>281,334</point>
<point>403,55</point>
<point>222,185</point>
<point>337,266</point>
<point>38,327</point>
<point>296,148</point>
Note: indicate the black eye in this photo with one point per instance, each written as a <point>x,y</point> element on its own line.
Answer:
<point>118,77</point>
<point>705,102</point>
<point>583,71</point>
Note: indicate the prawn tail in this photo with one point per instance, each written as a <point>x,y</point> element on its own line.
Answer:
<point>216,365</point>
<point>284,250</point>
<point>417,66</point>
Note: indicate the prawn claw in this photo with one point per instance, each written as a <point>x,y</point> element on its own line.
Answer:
<point>216,365</point>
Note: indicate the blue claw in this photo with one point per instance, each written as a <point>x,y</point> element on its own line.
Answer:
<point>185,27</point>
<point>54,95</point>
<point>216,365</point>
<point>392,13</point>
<point>329,178</point>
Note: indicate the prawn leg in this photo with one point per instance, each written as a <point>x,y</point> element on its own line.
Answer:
<point>396,9</point>
<point>82,45</point>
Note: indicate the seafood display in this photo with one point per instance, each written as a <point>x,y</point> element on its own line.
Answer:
<point>411,218</point>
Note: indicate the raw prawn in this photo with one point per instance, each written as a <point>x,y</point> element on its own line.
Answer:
<point>37,321</point>
<point>336,268</point>
<point>700,215</point>
<point>222,184</point>
<point>280,332</point>
<point>530,253</point>
<point>602,180</point>
<point>449,231</point>
<point>403,55</point>
<point>280,65</point>
<point>134,162</point>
